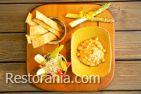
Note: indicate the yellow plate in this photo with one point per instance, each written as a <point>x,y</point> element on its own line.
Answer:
<point>82,34</point>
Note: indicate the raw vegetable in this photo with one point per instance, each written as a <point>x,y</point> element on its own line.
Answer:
<point>63,65</point>
<point>96,19</point>
<point>68,64</point>
<point>71,15</point>
<point>99,19</point>
<point>78,21</point>
<point>41,71</point>
<point>100,10</point>
<point>55,53</point>
<point>53,63</point>
<point>40,59</point>
<point>84,16</point>
<point>59,72</point>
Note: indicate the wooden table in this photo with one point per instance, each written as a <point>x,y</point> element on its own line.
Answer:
<point>127,15</point>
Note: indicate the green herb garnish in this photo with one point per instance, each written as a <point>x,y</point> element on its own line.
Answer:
<point>55,53</point>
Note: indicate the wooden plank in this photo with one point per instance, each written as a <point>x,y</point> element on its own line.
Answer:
<point>128,45</point>
<point>60,1</point>
<point>108,92</point>
<point>12,17</point>
<point>126,15</point>
<point>127,76</point>
<point>101,92</point>
<point>13,46</point>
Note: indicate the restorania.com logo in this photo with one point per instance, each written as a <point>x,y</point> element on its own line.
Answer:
<point>11,78</point>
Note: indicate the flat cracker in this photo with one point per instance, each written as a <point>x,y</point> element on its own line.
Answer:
<point>29,20</point>
<point>28,39</point>
<point>46,38</point>
<point>37,30</point>
<point>47,20</point>
<point>46,26</point>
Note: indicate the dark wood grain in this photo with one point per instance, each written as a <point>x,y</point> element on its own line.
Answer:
<point>102,92</point>
<point>127,76</point>
<point>60,1</point>
<point>13,16</point>
<point>128,45</point>
<point>13,46</point>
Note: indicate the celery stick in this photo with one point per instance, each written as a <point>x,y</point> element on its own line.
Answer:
<point>100,10</point>
<point>98,19</point>
<point>70,15</point>
<point>78,21</point>
<point>55,53</point>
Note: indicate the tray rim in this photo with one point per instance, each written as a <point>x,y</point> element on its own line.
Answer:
<point>113,45</point>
